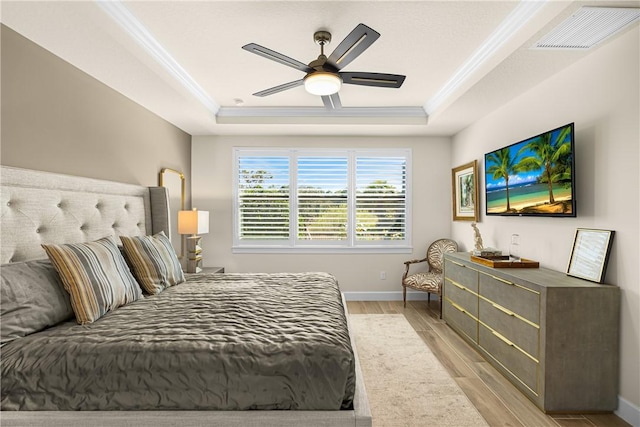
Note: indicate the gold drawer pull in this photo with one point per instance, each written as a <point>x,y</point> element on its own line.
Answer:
<point>457,263</point>
<point>503,281</point>
<point>506,341</point>
<point>457,307</point>
<point>504,310</point>
<point>457,285</point>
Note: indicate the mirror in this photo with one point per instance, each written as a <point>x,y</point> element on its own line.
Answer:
<point>174,182</point>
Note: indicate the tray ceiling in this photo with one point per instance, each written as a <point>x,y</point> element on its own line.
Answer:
<point>202,81</point>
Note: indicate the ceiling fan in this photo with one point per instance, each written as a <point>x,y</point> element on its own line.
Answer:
<point>324,77</point>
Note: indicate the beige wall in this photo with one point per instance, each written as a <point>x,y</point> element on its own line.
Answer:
<point>212,190</point>
<point>601,94</point>
<point>57,118</point>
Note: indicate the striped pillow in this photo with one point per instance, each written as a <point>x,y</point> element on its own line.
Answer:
<point>96,276</point>
<point>154,262</point>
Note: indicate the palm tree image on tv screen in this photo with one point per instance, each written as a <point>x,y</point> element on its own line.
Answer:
<point>532,177</point>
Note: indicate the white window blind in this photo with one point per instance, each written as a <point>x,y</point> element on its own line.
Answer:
<point>381,190</point>
<point>325,200</point>
<point>322,190</point>
<point>263,197</point>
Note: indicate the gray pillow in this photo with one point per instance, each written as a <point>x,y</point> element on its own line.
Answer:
<point>32,298</point>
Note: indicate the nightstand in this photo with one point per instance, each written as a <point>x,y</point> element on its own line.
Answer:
<point>212,270</point>
<point>205,270</point>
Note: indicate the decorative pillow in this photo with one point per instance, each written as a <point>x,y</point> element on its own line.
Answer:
<point>154,262</point>
<point>96,276</point>
<point>33,298</point>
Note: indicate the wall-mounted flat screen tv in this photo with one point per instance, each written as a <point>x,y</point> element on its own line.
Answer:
<point>534,177</point>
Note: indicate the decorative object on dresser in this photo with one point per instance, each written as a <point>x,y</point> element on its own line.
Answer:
<point>464,192</point>
<point>504,261</point>
<point>514,247</point>
<point>429,281</point>
<point>193,222</point>
<point>478,245</point>
<point>553,336</point>
<point>590,254</point>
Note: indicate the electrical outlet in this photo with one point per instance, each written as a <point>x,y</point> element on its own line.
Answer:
<point>383,275</point>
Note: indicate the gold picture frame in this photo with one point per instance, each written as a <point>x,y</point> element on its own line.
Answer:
<point>590,254</point>
<point>464,192</point>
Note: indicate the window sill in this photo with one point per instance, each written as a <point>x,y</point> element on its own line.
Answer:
<point>321,250</point>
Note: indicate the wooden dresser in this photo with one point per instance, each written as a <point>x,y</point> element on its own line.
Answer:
<point>553,336</point>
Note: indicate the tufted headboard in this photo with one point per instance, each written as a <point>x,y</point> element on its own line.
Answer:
<point>43,207</point>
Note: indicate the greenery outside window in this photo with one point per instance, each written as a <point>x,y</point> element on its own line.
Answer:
<point>293,200</point>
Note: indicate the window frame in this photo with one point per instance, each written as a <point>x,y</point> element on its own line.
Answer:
<point>295,245</point>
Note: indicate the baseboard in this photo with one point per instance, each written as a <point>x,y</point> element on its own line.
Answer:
<point>387,296</point>
<point>628,412</point>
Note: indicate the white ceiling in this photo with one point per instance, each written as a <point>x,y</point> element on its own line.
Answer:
<point>428,41</point>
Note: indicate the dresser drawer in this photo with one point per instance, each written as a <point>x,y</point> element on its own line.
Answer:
<point>460,320</point>
<point>507,324</point>
<point>462,274</point>
<point>551,335</point>
<point>522,367</point>
<point>462,296</point>
<point>516,298</point>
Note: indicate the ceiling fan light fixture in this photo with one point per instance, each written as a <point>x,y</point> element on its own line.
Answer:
<point>322,83</point>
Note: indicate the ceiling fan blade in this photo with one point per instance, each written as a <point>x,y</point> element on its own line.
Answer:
<point>332,102</point>
<point>278,57</point>
<point>372,79</point>
<point>352,46</point>
<point>280,88</point>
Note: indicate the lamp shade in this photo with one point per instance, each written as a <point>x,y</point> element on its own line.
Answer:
<point>322,83</point>
<point>193,222</point>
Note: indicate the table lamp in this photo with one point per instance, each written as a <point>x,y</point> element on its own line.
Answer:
<point>193,222</point>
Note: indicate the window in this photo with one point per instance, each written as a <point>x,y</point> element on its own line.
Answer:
<point>322,200</point>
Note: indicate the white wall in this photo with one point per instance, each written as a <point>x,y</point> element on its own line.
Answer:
<point>601,94</point>
<point>212,190</point>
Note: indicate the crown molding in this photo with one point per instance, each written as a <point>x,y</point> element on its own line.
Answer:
<point>517,19</point>
<point>138,32</point>
<point>320,115</point>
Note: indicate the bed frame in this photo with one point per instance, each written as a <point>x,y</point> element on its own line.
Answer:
<point>42,207</point>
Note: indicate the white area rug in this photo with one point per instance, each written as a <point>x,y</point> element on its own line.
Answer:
<point>406,384</point>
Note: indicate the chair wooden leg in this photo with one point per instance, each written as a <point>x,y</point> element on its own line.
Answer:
<point>440,298</point>
<point>404,296</point>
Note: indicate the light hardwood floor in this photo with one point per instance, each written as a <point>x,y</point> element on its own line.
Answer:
<point>499,402</point>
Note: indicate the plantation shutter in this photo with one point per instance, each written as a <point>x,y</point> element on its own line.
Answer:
<point>322,200</point>
<point>263,197</point>
<point>381,198</point>
<point>322,192</point>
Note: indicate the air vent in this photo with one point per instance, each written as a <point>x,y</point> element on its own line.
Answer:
<point>587,27</point>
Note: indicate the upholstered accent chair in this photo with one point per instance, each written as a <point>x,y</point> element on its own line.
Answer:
<point>430,281</point>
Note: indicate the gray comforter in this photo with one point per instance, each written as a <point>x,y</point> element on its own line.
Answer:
<point>217,342</point>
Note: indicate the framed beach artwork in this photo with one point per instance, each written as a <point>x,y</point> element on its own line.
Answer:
<point>464,192</point>
<point>590,254</point>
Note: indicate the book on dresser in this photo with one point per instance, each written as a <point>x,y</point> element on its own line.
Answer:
<point>553,336</point>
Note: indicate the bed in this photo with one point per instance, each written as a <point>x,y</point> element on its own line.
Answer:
<point>218,349</point>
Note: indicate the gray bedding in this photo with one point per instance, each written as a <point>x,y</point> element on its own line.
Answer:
<point>217,342</point>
